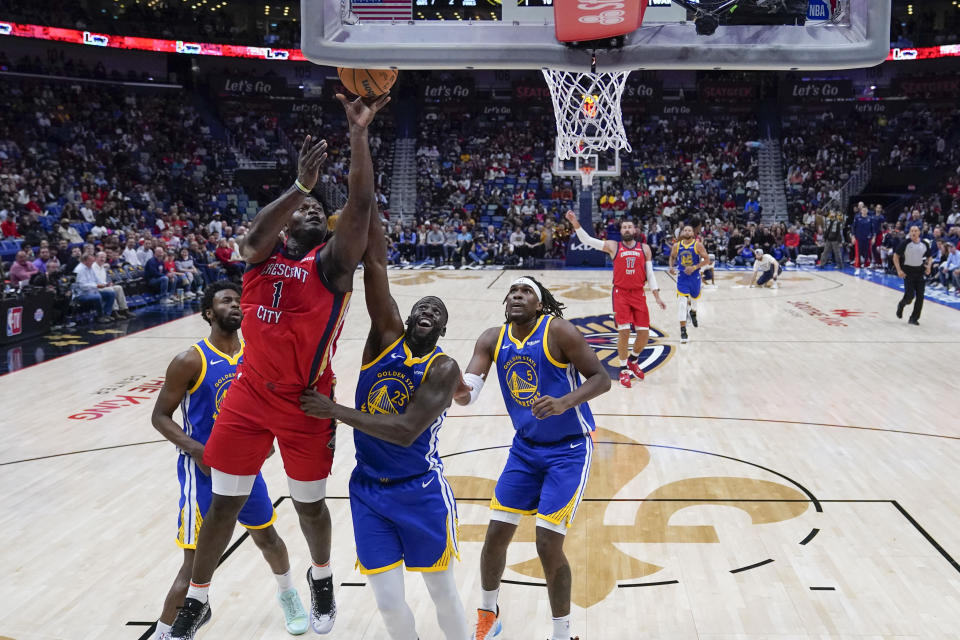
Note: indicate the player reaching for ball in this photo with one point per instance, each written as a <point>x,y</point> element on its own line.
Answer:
<point>295,297</point>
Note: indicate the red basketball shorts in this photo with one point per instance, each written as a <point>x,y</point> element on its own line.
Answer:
<point>253,413</point>
<point>630,307</point>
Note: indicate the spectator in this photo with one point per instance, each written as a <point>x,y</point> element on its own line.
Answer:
<point>949,272</point>
<point>88,289</point>
<point>186,266</point>
<point>104,282</point>
<point>225,256</point>
<point>22,270</point>
<point>130,255</point>
<point>8,229</point>
<point>155,273</point>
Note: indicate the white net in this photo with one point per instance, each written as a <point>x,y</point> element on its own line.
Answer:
<point>587,108</point>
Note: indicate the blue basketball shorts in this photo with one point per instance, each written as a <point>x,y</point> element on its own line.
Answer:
<point>412,521</point>
<point>195,494</point>
<point>545,480</point>
<point>688,285</point>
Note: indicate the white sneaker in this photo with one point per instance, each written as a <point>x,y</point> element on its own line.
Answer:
<point>190,295</point>
<point>168,301</point>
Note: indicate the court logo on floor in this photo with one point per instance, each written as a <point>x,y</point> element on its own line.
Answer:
<point>601,334</point>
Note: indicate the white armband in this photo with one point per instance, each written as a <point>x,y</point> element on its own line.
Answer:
<point>590,241</point>
<point>475,383</point>
<point>652,279</point>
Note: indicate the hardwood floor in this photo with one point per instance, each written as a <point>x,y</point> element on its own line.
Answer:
<point>788,473</point>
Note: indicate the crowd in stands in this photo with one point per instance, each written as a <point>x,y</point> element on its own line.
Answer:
<point>86,170</point>
<point>125,196</point>
<point>166,19</point>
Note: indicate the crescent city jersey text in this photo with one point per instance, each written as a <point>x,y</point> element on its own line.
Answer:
<point>629,267</point>
<point>201,404</point>
<point>527,370</point>
<point>291,319</point>
<point>386,386</point>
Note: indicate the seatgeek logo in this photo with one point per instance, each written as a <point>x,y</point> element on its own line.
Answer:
<point>603,12</point>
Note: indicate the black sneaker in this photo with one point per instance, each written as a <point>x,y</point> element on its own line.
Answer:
<point>899,310</point>
<point>912,321</point>
<point>323,608</point>
<point>693,318</point>
<point>192,615</point>
<point>683,335</point>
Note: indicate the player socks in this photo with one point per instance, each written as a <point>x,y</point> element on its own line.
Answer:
<point>161,629</point>
<point>198,591</point>
<point>320,571</point>
<point>488,599</point>
<point>561,628</point>
<point>284,581</point>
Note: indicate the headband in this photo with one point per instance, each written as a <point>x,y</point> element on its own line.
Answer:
<point>530,283</point>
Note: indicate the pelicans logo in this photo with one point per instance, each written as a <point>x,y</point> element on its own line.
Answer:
<point>600,333</point>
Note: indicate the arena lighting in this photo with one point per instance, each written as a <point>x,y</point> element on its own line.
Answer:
<point>38,32</point>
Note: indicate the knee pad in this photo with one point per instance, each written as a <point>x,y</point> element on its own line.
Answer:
<point>227,484</point>
<point>505,516</point>
<point>312,491</point>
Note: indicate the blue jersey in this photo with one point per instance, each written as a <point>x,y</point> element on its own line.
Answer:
<point>527,370</point>
<point>201,404</point>
<point>387,385</point>
<point>687,256</point>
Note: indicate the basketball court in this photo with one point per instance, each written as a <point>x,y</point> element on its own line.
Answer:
<point>785,474</point>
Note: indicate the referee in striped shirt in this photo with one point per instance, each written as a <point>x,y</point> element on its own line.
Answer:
<point>913,261</point>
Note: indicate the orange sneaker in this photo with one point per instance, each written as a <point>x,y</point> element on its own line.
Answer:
<point>488,625</point>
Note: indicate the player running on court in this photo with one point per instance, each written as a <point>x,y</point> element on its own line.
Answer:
<point>632,269</point>
<point>403,509</point>
<point>538,357</point>
<point>690,255</point>
<point>295,296</point>
<point>196,381</point>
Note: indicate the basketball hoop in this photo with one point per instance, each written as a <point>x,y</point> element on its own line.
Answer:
<point>587,108</point>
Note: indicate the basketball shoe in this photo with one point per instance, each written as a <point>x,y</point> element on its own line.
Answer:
<point>625,381</point>
<point>693,318</point>
<point>683,335</point>
<point>294,616</point>
<point>634,365</point>
<point>488,624</point>
<point>192,615</point>
<point>323,608</point>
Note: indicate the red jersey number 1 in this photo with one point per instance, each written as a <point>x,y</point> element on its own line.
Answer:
<point>277,292</point>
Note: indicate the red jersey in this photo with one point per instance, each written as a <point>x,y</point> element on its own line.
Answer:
<point>291,320</point>
<point>629,267</point>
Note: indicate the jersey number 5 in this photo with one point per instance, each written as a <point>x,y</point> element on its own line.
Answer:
<point>277,292</point>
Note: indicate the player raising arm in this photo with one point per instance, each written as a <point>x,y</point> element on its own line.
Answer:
<point>295,297</point>
<point>403,508</point>
<point>632,269</point>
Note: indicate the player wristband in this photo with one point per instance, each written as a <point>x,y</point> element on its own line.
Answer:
<point>302,189</point>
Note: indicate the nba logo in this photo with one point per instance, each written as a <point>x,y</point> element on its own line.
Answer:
<point>821,9</point>
<point>14,321</point>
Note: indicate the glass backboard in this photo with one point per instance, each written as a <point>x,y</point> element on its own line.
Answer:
<point>521,34</point>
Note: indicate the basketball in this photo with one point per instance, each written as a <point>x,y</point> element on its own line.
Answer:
<point>367,83</point>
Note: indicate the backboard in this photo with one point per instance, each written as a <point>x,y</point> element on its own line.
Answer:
<point>415,34</point>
